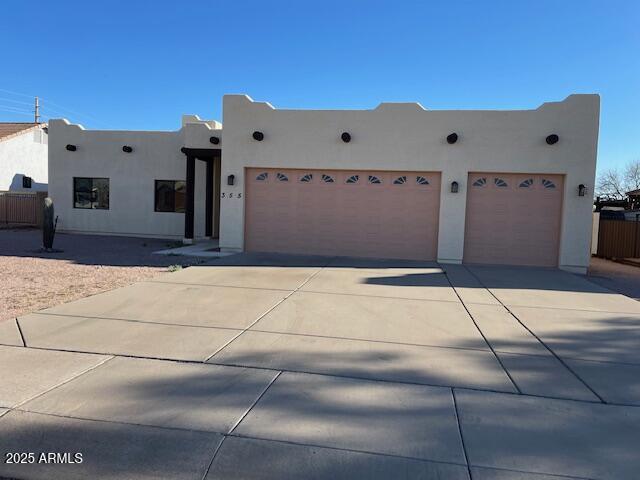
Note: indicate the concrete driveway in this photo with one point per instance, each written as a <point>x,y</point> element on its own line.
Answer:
<point>279,367</point>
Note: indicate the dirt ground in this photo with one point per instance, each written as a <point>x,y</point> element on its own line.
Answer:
<point>624,279</point>
<point>32,280</point>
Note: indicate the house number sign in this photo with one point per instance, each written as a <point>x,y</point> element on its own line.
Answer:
<point>230,195</point>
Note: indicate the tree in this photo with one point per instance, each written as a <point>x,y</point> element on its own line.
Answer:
<point>616,182</point>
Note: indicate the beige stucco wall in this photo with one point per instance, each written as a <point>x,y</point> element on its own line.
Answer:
<point>24,154</point>
<point>408,137</point>
<point>155,156</point>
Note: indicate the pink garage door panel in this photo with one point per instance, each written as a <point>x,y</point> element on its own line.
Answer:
<point>338,212</point>
<point>513,219</point>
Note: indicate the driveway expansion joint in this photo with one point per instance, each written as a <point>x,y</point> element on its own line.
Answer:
<point>498,359</point>
<point>64,382</point>
<point>539,339</point>
<point>260,317</point>
<point>24,342</point>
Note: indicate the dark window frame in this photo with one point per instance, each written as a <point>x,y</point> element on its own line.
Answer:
<point>155,196</point>
<point>27,182</point>
<point>92,201</point>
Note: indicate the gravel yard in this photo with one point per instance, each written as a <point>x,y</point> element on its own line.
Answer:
<point>88,264</point>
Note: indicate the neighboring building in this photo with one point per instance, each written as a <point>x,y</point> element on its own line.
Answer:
<point>634,199</point>
<point>398,181</point>
<point>23,157</point>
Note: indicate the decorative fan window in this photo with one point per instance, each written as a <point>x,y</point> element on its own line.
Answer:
<point>282,177</point>
<point>400,180</point>
<point>500,182</point>
<point>548,183</point>
<point>526,183</point>
<point>480,182</point>
<point>374,180</point>
<point>306,178</point>
<point>262,177</point>
<point>353,179</point>
<point>327,178</point>
<point>422,180</point>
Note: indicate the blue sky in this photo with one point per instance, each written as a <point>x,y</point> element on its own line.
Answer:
<point>141,64</point>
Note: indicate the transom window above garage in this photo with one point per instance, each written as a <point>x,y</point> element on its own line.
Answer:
<point>400,180</point>
<point>353,179</point>
<point>500,182</point>
<point>327,178</point>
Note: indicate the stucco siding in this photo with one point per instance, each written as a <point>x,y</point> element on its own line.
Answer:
<point>408,137</point>
<point>24,154</point>
<point>155,156</point>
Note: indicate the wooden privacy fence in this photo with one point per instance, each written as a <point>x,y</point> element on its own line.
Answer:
<point>23,208</point>
<point>619,239</point>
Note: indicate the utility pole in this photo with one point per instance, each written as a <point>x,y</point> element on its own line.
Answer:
<point>37,111</point>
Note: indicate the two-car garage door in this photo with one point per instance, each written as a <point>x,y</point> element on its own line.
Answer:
<point>337,212</point>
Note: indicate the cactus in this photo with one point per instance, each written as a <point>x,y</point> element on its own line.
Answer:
<point>48,225</point>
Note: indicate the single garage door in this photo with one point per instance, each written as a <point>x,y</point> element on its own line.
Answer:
<point>336,212</point>
<point>513,219</point>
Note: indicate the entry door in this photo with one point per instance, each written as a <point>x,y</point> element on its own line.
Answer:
<point>513,219</point>
<point>335,212</point>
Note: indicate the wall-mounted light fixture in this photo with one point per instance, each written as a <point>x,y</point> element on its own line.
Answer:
<point>551,139</point>
<point>452,138</point>
<point>346,137</point>
<point>454,187</point>
<point>259,136</point>
<point>214,140</point>
<point>231,179</point>
<point>71,148</point>
<point>582,190</point>
<point>127,149</point>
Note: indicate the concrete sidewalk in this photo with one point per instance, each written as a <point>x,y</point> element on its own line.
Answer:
<point>262,366</point>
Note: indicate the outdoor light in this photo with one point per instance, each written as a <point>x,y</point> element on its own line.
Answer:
<point>216,140</point>
<point>551,139</point>
<point>231,179</point>
<point>346,137</point>
<point>454,186</point>
<point>582,190</point>
<point>452,138</point>
<point>259,136</point>
<point>71,148</point>
<point>127,149</point>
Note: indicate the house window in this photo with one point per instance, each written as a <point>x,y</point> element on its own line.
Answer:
<point>374,180</point>
<point>170,196</point>
<point>548,183</point>
<point>92,193</point>
<point>421,180</point>
<point>526,183</point>
<point>262,177</point>
<point>282,177</point>
<point>26,181</point>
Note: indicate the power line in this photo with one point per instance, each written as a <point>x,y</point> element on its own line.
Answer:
<point>15,101</point>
